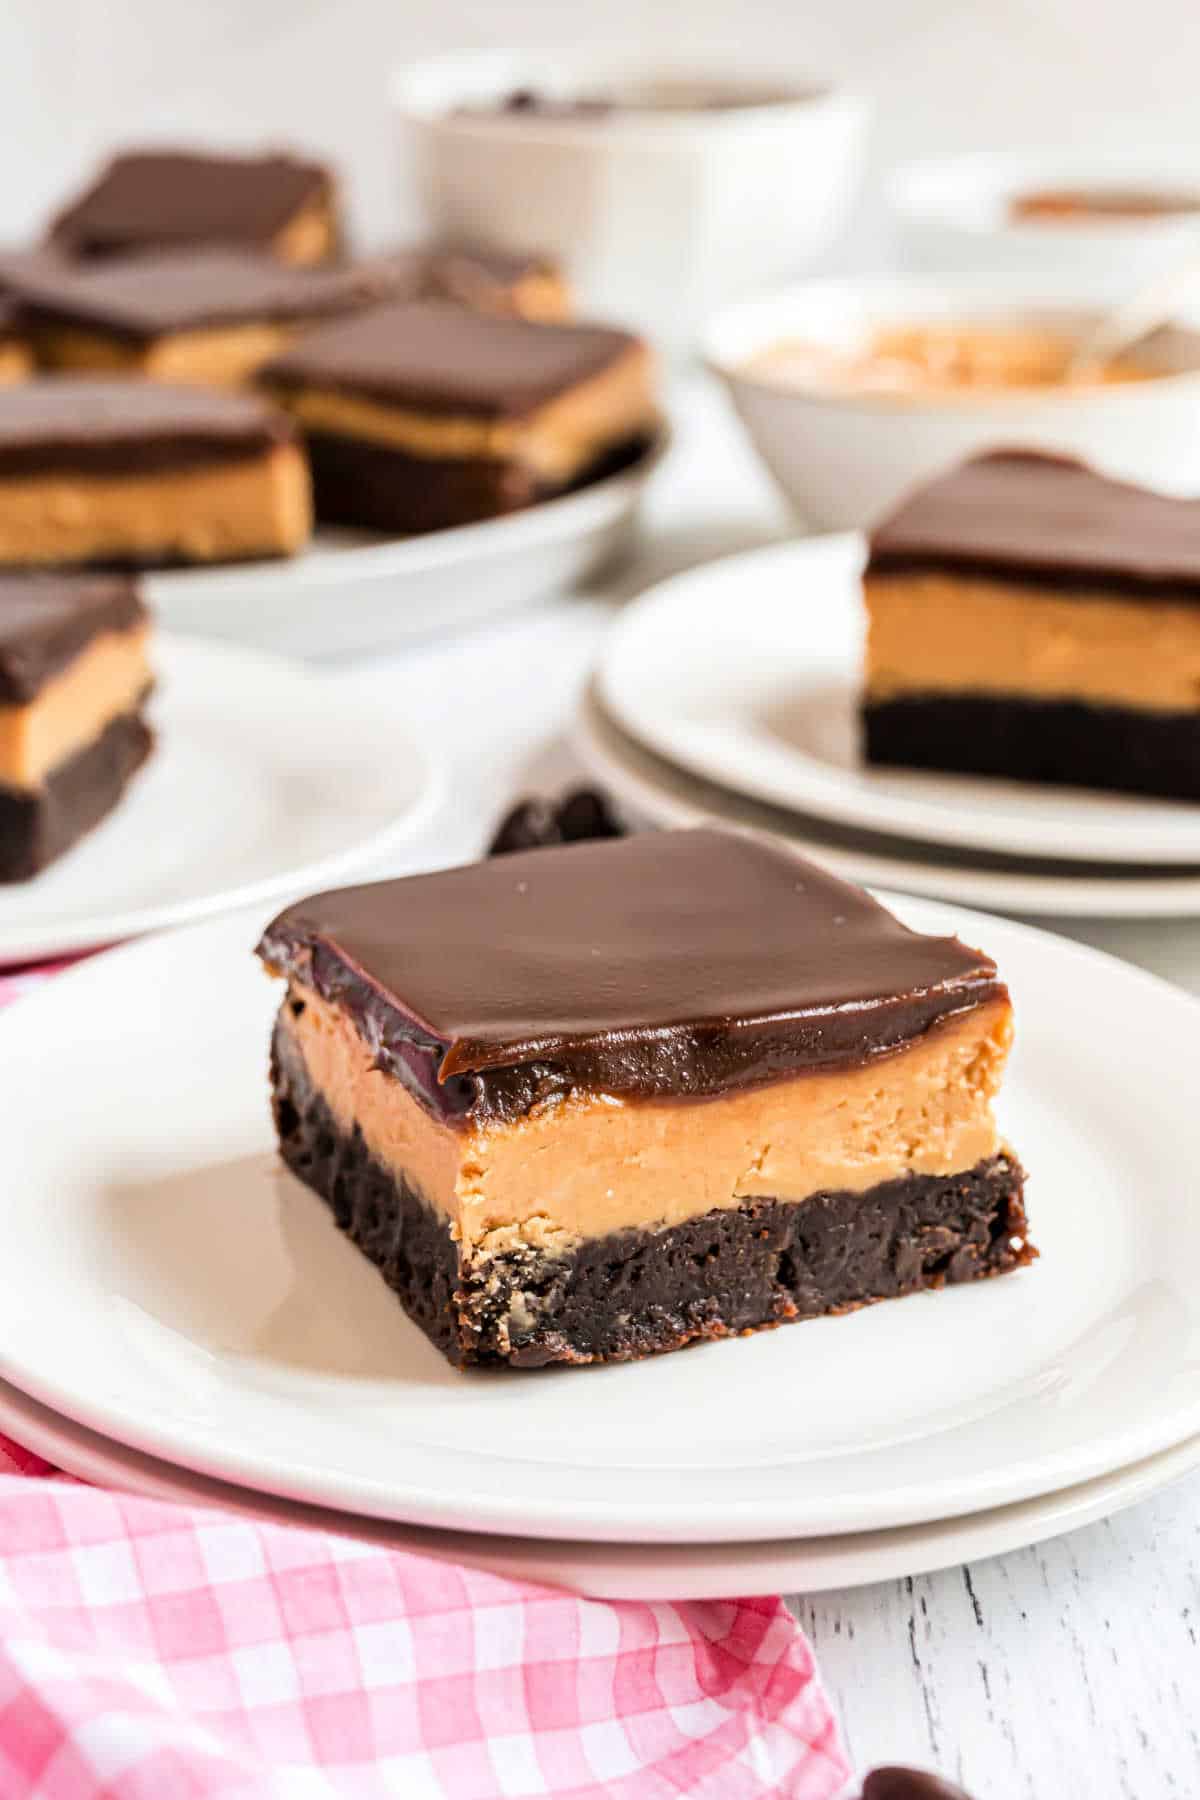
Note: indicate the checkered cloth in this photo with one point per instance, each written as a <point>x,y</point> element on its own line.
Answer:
<point>162,1652</point>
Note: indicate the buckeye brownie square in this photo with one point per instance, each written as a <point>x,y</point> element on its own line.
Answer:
<point>128,471</point>
<point>205,315</point>
<point>74,679</point>
<point>1031,618</point>
<point>593,1102</point>
<point>427,414</point>
<point>154,198</point>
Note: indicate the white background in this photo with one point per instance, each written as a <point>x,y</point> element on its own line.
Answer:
<point>79,75</point>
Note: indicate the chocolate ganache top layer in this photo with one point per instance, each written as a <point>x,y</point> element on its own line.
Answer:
<point>46,620</point>
<point>443,358</point>
<point>107,426</point>
<point>156,292</point>
<point>1021,516</point>
<point>677,963</point>
<point>149,197</point>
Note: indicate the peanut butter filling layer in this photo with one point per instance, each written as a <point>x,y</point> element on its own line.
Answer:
<point>544,297</point>
<point>108,678</point>
<point>939,633</point>
<point>16,359</point>
<point>557,442</point>
<point>594,1164</point>
<point>224,354</point>
<point>252,506</point>
<point>310,236</point>
<point>942,359</point>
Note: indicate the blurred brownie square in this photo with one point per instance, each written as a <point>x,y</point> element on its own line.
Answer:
<point>154,198</point>
<point>138,472</point>
<point>425,414</point>
<point>499,281</point>
<point>204,315</point>
<point>74,679</point>
<point>1031,618</point>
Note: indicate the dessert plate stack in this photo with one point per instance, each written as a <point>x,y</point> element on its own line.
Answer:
<point>181,1315</point>
<point>730,693</point>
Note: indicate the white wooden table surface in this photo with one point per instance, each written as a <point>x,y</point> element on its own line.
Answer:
<point>1069,1669</point>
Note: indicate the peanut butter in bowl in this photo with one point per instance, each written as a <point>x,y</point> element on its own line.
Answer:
<point>1099,206</point>
<point>856,389</point>
<point>939,359</point>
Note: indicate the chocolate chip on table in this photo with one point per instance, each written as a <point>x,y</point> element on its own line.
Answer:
<point>581,815</point>
<point>529,826</point>
<point>895,1783</point>
<point>587,813</point>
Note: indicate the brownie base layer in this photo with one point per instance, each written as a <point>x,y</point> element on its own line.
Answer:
<point>357,482</point>
<point>37,826</point>
<point>636,1293</point>
<point>1065,742</point>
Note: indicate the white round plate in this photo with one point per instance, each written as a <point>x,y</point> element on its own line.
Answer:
<point>624,1571</point>
<point>266,780</point>
<point>353,591</point>
<point>656,792</point>
<point>169,1285</point>
<point>747,672</point>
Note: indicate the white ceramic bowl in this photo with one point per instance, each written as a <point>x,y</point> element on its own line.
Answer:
<point>657,216</point>
<point>844,457</point>
<point>954,212</point>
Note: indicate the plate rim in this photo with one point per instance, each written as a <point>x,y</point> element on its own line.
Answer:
<point>613,1571</point>
<point>435,1501</point>
<point>26,944</point>
<point>835,802</point>
<point>606,749</point>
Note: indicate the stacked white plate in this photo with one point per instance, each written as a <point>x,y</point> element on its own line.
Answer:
<point>181,1315</point>
<point>730,692</point>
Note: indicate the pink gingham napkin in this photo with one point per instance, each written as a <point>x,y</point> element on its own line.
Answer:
<point>151,1651</point>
